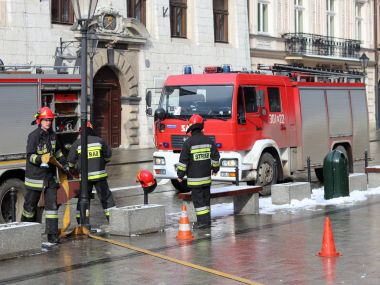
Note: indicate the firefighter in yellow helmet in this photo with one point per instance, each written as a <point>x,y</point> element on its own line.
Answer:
<point>40,175</point>
<point>198,160</point>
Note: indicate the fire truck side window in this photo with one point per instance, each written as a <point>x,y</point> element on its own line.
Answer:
<point>250,99</point>
<point>240,106</point>
<point>274,99</point>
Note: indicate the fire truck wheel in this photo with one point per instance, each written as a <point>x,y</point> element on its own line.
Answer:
<point>5,199</point>
<point>266,173</point>
<point>181,187</point>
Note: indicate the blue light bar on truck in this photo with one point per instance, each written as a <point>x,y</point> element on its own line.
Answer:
<point>187,69</point>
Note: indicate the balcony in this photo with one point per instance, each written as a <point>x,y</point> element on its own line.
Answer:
<point>302,44</point>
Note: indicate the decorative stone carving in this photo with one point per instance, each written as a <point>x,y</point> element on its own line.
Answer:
<point>112,27</point>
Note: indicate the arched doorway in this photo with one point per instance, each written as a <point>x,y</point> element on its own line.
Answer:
<point>107,106</point>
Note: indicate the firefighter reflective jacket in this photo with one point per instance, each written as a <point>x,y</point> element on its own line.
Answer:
<point>39,143</point>
<point>98,154</point>
<point>199,156</point>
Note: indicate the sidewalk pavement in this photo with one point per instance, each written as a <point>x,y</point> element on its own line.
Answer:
<point>131,156</point>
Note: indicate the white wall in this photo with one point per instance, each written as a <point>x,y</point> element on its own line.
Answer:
<point>27,36</point>
<point>281,21</point>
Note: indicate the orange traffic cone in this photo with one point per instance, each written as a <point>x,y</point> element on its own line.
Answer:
<point>328,245</point>
<point>184,232</point>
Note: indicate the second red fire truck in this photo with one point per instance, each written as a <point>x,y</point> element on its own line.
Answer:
<point>266,126</point>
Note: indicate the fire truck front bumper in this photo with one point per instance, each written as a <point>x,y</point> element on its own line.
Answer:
<point>231,167</point>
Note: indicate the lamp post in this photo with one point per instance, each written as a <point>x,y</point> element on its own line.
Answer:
<point>84,10</point>
<point>364,62</point>
<point>93,43</point>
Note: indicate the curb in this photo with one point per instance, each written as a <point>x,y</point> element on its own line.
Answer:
<point>129,162</point>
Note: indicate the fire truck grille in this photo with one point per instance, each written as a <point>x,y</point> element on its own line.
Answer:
<point>177,141</point>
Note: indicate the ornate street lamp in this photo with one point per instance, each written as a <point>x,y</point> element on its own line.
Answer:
<point>364,62</point>
<point>84,11</point>
<point>92,45</point>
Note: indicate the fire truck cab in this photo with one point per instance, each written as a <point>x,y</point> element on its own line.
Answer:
<point>265,126</point>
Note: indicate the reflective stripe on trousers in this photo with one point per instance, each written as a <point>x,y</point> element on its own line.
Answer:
<point>34,183</point>
<point>27,214</point>
<point>202,210</point>
<point>198,181</point>
<point>51,214</point>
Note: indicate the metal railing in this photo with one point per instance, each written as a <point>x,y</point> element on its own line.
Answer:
<point>311,44</point>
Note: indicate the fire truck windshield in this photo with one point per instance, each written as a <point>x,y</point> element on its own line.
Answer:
<point>209,101</point>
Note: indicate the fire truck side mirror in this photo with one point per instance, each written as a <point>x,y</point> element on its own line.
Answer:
<point>148,99</point>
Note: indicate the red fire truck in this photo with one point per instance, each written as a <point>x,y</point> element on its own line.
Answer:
<point>21,96</point>
<point>266,126</point>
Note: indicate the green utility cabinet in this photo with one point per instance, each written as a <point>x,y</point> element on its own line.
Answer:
<point>335,173</point>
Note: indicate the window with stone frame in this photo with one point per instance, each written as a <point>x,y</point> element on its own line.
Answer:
<point>262,16</point>
<point>62,12</point>
<point>298,16</point>
<point>330,17</point>
<point>178,19</point>
<point>359,20</point>
<point>137,9</point>
<point>220,20</point>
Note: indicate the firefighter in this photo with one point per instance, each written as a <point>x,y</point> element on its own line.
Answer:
<point>198,160</point>
<point>40,175</point>
<point>99,154</point>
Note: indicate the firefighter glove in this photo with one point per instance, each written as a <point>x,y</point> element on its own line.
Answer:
<point>45,160</point>
<point>66,169</point>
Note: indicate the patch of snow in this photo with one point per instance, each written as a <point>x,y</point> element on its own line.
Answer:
<point>163,181</point>
<point>15,225</point>
<point>317,199</point>
<point>221,210</point>
<point>313,204</point>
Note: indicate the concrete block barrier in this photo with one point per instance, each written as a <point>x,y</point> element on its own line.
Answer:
<point>137,219</point>
<point>245,199</point>
<point>284,193</point>
<point>373,173</point>
<point>19,238</point>
<point>357,181</point>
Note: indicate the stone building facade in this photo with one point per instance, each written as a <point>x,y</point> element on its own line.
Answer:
<point>132,55</point>
<point>141,42</point>
<point>324,33</point>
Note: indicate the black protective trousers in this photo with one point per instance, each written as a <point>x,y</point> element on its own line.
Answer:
<point>32,198</point>
<point>104,193</point>
<point>201,201</point>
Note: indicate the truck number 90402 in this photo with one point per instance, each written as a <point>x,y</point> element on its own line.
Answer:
<point>276,118</point>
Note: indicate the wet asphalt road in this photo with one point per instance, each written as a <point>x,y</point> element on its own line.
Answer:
<point>279,248</point>
<point>270,249</point>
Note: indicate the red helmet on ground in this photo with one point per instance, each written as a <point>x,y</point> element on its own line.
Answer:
<point>44,113</point>
<point>145,177</point>
<point>147,181</point>
<point>195,122</point>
